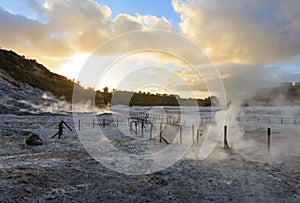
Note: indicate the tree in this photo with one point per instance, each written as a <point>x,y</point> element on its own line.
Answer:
<point>105,89</point>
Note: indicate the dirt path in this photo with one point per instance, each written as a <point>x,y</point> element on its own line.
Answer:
<point>62,171</point>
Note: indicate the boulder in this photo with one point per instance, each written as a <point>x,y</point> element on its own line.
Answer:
<point>34,139</point>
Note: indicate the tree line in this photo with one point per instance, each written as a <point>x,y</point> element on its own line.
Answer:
<point>36,75</point>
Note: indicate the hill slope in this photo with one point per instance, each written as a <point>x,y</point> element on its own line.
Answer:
<point>34,74</point>
<point>26,84</point>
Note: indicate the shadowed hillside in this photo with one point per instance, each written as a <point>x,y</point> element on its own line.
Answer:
<point>34,74</point>
<point>24,81</point>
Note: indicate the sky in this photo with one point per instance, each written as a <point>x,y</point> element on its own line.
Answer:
<point>251,44</point>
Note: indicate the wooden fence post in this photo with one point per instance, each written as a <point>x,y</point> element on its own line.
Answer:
<point>136,127</point>
<point>130,127</point>
<point>226,146</point>
<point>193,134</point>
<point>269,139</point>
<point>142,128</point>
<point>199,133</point>
<point>151,127</point>
<point>180,129</point>
<point>160,133</point>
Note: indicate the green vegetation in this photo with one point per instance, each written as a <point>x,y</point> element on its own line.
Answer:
<point>148,99</point>
<point>36,75</point>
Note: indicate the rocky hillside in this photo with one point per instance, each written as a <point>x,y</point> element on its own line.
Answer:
<point>26,84</point>
<point>21,98</point>
<point>19,70</point>
<point>28,87</point>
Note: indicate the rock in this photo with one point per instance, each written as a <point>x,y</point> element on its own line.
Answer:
<point>34,139</point>
<point>158,181</point>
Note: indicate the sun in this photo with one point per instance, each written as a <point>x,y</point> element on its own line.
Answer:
<point>73,65</point>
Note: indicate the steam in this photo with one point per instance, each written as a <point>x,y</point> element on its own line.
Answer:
<point>248,138</point>
<point>52,105</point>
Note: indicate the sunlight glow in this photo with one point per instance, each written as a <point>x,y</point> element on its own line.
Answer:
<point>73,65</point>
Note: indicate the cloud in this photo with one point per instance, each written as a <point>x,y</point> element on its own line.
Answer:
<point>64,28</point>
<point>30,38</point>
<point>153,22</point>
<point>245,32</point>
<point>241,37</point>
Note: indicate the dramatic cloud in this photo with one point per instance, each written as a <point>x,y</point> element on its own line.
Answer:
<point>243,38</point>
<point>64,28</point>
<point>247,32</point>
